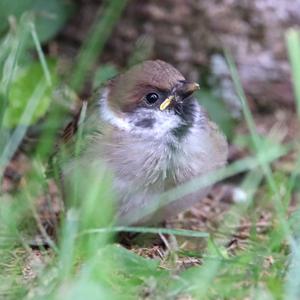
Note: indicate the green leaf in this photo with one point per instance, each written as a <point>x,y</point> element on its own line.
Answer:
<point>49,16</point>
<point>12,8</point>
<point>23,86</point>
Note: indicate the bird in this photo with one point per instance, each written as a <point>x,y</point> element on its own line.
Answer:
<point>148,129</point>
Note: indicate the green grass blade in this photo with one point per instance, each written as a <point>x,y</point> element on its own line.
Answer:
<point>257,144</point>
<point>292,285</point>
<point>15,42</point>
<point>20,131</point>
<point>67,246</point>
<point>293,46</point>
<point>94,45</point>
<point>40,54</point>
<point>179,232</point>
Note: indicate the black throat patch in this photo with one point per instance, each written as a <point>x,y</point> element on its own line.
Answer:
<point>186,111</point>
<point>145,123</point>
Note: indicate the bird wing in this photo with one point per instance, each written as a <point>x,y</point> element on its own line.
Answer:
<point>70,144</point>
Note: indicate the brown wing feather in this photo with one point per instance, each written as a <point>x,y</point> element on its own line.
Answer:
<point>66,137</point>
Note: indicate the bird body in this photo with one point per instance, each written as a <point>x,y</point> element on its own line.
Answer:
<point>153,135</point>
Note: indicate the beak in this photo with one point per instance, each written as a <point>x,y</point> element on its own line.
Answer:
<point>186,89</point>
<point>182,91</point>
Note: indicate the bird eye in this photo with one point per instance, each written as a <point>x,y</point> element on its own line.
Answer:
<point>151,98</point>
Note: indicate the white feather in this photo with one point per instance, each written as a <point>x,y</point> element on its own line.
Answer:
<point>108,115</point>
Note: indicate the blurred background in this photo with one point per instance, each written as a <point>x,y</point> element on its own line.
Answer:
<point>91,41</point>
<point>245,56</point>
<point>192,35</point>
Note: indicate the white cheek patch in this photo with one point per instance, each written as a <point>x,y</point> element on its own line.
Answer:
<point>109,116</point>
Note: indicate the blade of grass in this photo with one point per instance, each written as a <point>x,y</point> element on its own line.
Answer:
<point>78,142</point>
<point>257,144</point>
<point>80,127</point>
<point>40,54</point>
<point>179,232</point>
<point>20,131</point>
<point>292,285</point>
<point>67,247</point>
<point>94,45</point>
<point>16,38</point>
<point>293,46</point>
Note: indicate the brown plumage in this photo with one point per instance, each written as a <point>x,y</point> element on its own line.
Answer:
<point>128,89</point>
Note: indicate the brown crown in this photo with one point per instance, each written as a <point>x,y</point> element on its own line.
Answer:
<point>128,89</point>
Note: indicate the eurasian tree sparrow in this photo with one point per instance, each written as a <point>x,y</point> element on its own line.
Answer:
<point>148,129</point>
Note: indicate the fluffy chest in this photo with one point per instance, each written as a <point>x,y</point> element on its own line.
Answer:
<point>157,163</point>
<point>146,151</point>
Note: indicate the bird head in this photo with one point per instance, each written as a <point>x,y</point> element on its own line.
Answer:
<point>150,98</point>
